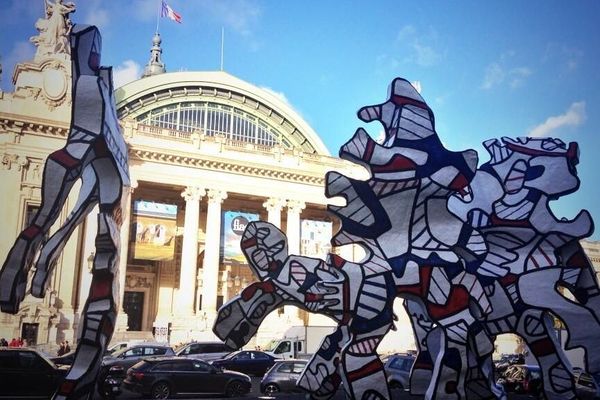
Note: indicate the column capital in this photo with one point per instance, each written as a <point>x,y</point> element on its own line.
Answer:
<point>274,204</point>
<point>295,206</point>
<point>193,193</point>
<point>216,196</point>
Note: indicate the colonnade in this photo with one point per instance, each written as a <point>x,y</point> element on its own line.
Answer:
<point>188,278</point>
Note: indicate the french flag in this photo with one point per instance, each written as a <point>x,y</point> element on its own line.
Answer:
<point>169,13</point>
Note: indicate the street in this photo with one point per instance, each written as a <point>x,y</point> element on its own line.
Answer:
<point>255,394</point>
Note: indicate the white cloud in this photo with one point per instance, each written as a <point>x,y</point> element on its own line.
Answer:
<point>500,72</point>
<point>518,75</point>
<point>407,32</point>
<point>425,56</point>
<point>568,58</point>
<point>97,15</point>
<point>574,116</point>
<point>127,72</point>
<point>494,75</point>
<point>279,95</point>
<point>422,47</point>
<point>416,85</point>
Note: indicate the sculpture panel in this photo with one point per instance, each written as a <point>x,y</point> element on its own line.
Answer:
<point>474,252</point>
<point>96,153</point>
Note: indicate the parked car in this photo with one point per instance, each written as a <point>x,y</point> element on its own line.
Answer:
<point>282,377</point>
<point>117,363</point>
<point>249,362</point>
<point>26,373</point>
<point>160,378</point>
<point>585,386</point>
<point>397,368</point>
<point>65,359</point>
<point>522,379</point>
<point>203,350</point>
<point>506,360</point>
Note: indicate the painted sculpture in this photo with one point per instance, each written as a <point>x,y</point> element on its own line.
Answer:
<point>474,252</point>
<point>96,153</point>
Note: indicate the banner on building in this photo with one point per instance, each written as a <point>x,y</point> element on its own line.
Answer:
<point>154,227</point>
<point>315,238</point>
<point>234,224</point>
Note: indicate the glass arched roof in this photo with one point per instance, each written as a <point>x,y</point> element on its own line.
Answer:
<point>216,103</point>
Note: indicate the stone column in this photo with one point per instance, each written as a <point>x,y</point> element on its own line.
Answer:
<point>274,206</point>
<point>122,320</point>
<point>189,250</point>
<point>294,208</point>
<point>211,252</point>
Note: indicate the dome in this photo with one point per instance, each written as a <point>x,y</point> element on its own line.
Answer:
<point>216,103</point>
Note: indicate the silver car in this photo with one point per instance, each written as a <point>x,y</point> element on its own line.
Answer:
<point>282,377</point>
<point>397,368</point>
<point>206,351</point>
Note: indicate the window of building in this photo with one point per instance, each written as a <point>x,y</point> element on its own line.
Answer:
<point>213,120</point>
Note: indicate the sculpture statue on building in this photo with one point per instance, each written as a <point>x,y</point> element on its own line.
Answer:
<point>54,30</point>
<point>96,153</point>
<point>463,246</point>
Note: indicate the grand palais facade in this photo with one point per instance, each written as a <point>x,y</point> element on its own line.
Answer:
<point>208,153</point>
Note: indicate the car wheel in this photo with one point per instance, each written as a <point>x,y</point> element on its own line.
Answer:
<point>235,389</point>
<point>396,385</point>
<point>271,389</point>
<point>161,390</point>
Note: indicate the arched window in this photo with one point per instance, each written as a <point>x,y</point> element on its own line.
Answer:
<point>213,119</point>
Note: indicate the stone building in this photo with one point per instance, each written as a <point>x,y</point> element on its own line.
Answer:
<point>208,153</point>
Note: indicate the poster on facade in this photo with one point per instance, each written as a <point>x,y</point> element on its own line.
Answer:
<point>314,238</point>
<point>155,227</point>
<point>234,224</point>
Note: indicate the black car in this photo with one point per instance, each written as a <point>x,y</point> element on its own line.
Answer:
<point>118,362</point>
<point>65,359</point>
<point>249,362</point>
<point>25,373</point>
<point>163,377</point>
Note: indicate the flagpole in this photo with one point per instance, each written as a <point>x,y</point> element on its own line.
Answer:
<point>158,15</point>
<point>222,45</point>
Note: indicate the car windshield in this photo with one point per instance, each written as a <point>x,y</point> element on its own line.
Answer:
<point>179,348</point>
<point>271,345</point>
<point>119,352</point>
<point>231,355</point>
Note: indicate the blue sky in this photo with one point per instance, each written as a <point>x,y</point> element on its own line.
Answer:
<point>487,68</point>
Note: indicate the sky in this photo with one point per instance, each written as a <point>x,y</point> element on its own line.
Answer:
<point>488,69</point>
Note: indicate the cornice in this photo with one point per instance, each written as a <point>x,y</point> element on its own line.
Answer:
<point>225,165</point>
<point>19,125</point>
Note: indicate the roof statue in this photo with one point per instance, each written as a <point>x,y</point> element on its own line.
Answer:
<point>474,252</point>
<point>54,30</point>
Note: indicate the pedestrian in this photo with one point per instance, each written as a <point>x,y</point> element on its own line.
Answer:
<point>13,343</point>
<point>67,347</point>
<point>61,349</point>
<point>3,343</point>
<point>20,342</point>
